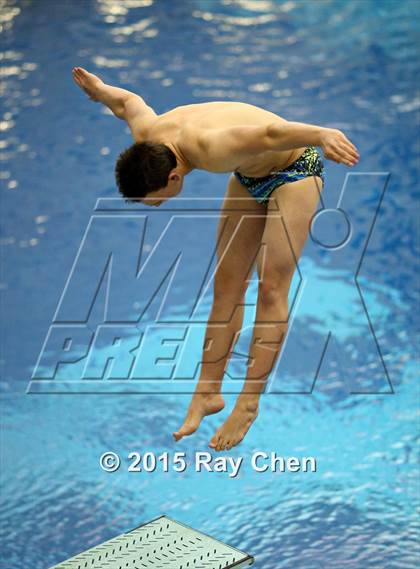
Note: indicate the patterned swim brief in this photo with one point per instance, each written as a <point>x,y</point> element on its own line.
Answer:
<point>308,164</point>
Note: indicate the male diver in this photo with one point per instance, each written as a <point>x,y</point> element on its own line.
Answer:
<point>271,159</point>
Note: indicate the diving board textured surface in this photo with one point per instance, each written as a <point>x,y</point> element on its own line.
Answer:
<point>160,544</point>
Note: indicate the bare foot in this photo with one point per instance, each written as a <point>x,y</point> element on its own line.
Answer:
<point>202,404</point>
<point>236,426</point>
<point>88,82</point>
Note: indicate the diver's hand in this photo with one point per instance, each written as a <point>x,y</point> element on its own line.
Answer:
<point>88,82</point>
<point>337,147</point>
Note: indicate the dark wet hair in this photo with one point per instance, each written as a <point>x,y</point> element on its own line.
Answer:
<point>142,168</point>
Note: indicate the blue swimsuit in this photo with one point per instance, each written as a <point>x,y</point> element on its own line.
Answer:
<point>308,164</point>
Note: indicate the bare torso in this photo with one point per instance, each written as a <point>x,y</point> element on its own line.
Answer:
<point>181,125</point>
<point>221,136</point>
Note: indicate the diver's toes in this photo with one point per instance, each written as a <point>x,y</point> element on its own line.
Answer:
<point>214,441</point>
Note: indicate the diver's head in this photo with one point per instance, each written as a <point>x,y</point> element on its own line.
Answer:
<point>148,170</point>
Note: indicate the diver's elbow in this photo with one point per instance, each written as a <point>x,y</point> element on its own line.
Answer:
<point>276,133</point>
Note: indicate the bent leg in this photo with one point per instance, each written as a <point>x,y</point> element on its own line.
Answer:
<point>239,235</point>
<point>287,225</point>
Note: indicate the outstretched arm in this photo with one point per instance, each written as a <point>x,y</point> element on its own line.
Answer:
<point>241,142</point>
<point>124,104</point>
<point>336,146</point>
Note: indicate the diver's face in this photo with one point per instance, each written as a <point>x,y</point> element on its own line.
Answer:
<point>160,196</point>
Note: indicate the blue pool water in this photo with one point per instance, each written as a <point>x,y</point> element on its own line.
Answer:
<point>348,65</point>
